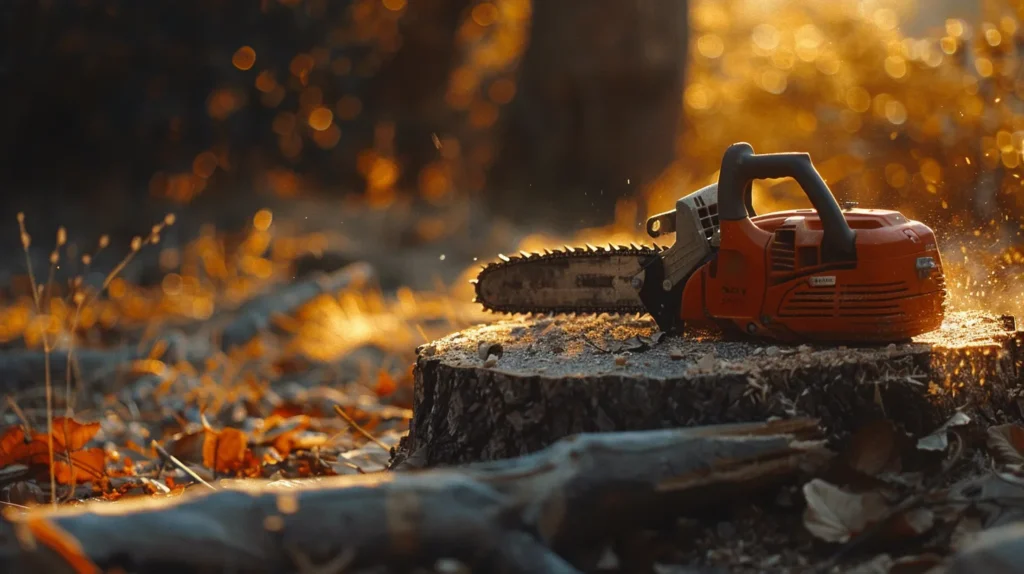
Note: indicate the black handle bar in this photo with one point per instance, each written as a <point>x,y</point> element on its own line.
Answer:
<point>740,166</point>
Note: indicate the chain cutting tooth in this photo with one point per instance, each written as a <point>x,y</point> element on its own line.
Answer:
<point>504,257</point>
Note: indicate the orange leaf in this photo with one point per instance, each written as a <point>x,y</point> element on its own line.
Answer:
<point>86,466</point>
<point>69,434</point>
<point>282,434</point>
<point>386,385</point>
<point>224,450</point>
<point>62,543</point>
<point>13,446</point>
<point>290,409</point>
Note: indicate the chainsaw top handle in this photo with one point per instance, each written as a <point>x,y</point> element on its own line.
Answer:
<point>740,166</point>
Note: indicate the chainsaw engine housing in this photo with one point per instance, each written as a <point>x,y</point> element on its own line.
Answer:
<point>769,279</point>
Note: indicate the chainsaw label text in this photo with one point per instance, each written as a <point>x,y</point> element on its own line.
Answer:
<point>822,281</point>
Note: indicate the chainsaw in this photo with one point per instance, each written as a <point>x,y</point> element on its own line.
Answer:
<point>831,273</point>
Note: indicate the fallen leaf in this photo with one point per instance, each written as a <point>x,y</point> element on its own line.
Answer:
<point>12,472</point>
<point>874,449</point>
<point>707,363</point>
<point>187,447</point>
<point>86,466</point>
<point>965,532</point>
<point>1006,443</point>
<point>283,434</point>
<point>939,439</point>
<point>69,437</point>
<point>386,385</point>
<point>996,551</point>
<point>293,408</point>
<point>14,445</point>
<point>911,523</point>
<point>639,343</point>
<point>224,450</point>
<point>835,515</point>
<point>61,542</point>
<point>880,564</point>
<point>920,564</point>
<point>25,493</point>
<point>69,434</point>
<point>988,495</point>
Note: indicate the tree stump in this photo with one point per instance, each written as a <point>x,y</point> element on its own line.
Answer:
<point>540,379</point>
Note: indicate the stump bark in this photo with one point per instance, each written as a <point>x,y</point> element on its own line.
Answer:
<point>566,375</point>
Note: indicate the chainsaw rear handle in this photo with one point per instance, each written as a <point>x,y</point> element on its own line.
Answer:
<point>740,166</point>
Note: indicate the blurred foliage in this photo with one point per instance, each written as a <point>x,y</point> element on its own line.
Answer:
<point>288,95</point>
<point>931,125</point>
<point>376,96</point>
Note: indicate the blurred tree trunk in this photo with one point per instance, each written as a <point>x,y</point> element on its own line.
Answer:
<point>598,106</point>
<point>410,88</point>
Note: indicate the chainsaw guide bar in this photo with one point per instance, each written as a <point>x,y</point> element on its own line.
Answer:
<point>574,281</point>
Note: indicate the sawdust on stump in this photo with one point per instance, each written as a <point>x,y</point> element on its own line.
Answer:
<point>515,386</point>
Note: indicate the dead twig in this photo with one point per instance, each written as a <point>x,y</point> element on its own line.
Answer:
<point>355,426</point>
<point>20,414</point>
<point>164,455</point>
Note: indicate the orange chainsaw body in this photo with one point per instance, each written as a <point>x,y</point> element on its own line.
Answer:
<point>769,279</point>
<point>831,274</point>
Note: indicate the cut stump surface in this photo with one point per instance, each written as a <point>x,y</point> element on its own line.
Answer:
<point>540,379</point>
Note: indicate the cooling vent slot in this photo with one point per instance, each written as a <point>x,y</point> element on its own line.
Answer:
<point>851,300</point>
<point>783,249</point>
<point>708,216</point>
<point>808,257</point>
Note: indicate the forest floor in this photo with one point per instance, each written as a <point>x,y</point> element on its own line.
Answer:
<point>282,349</point>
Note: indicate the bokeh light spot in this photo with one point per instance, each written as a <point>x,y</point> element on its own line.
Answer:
<point>244,58</point>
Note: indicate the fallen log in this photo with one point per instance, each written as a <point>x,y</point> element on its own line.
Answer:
<point>546,512</point>
<point>256,314</point>
<point>505,389</point>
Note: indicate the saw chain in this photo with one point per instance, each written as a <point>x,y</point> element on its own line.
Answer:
<point>573,280</point>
